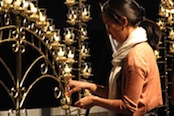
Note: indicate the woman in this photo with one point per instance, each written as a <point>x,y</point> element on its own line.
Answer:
<point>134,82</point>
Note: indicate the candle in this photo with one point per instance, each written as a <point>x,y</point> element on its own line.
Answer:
<point>67,69</point>
<point>17,3</point>
<point>172,47</point>
<point>42,17</point>
<point>70,1</point>
<point>33,8</point>
<point>157,54</point>
<point>67,35</point>
<point>7,1</point>
<point>85,69</point>
<point>25,4</point>
<point>83,33</point>
<point>56,37</point>
<point>85,12</point>
<point>84,51</point>
<point>61,53</point>
<point>171,34</point>
<point>70,54</point>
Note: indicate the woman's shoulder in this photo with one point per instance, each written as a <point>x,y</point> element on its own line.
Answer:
<point>141,49</point>
<point>140,53</point>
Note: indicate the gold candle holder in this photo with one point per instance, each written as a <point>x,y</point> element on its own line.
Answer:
<point>86,69</point>
<point>69,36</point>
<point>84,51</point>
<point>70,54</point>
<point>17,7</point>
<point>157,54</point>
<point>41,22</point>
<point>56,38</point>
<point>172,48</point>
<point>70,3</point>
<point>161,24</point>
<point>171,34</point>
<point>85,13</point>
<point>61,53</point>
<point>67,70</point>
<point>83,33</point>
<point>32,9</point>
<point>7,2</point>
<point>72,16</point>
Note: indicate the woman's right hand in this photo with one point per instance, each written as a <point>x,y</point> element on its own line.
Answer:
<point>75,86</point>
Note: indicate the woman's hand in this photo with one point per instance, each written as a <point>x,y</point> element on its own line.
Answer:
<point>75,86</point>
<point>85,102</point>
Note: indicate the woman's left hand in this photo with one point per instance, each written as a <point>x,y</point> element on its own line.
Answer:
<point>85,102</point>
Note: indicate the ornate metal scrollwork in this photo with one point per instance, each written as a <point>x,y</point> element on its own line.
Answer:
<point>26,28</point>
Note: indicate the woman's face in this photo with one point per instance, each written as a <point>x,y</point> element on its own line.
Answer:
<point>114,29</point>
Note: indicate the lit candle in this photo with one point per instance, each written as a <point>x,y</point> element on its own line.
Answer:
<point>56,37</point>
<point>67,69</point>
<point>33,8</point>
<point>42,17</point>
<point>172,48</point>
<point>67,35</point>
<point>85,12</point>
<point>17,3</point>
<point>70,1</point>
<point>171,34</point>
<point>170,18</point>
<point>84,51</point>
<point>25,4</point>
<point>84,32</point>
<point>72,16</point>
<point>157,54</point>
<point>70,54</point>
<point>85,69</point>
<point>61,53</point>
<point>7,1</point>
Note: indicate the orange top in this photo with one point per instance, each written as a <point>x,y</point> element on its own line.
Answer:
<point>140,83</point>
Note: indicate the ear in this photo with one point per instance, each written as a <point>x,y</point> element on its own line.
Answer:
<point>124,21</point>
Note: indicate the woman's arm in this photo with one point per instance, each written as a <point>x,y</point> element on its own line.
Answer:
<point>99,90</point>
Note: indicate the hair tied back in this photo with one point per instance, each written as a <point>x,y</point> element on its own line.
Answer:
<point>140,8</point>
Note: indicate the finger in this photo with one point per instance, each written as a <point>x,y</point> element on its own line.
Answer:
<point>71,91</point>
<point>77,104</point>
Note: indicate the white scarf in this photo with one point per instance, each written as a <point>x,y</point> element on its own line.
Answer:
<point>137,36</point>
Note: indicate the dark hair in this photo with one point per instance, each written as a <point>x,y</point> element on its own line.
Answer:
<point>153,33</point>
<point>135,14</point>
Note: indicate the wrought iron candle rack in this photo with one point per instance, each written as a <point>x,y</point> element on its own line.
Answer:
<point>60,57</point>
<point>166,51</point>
